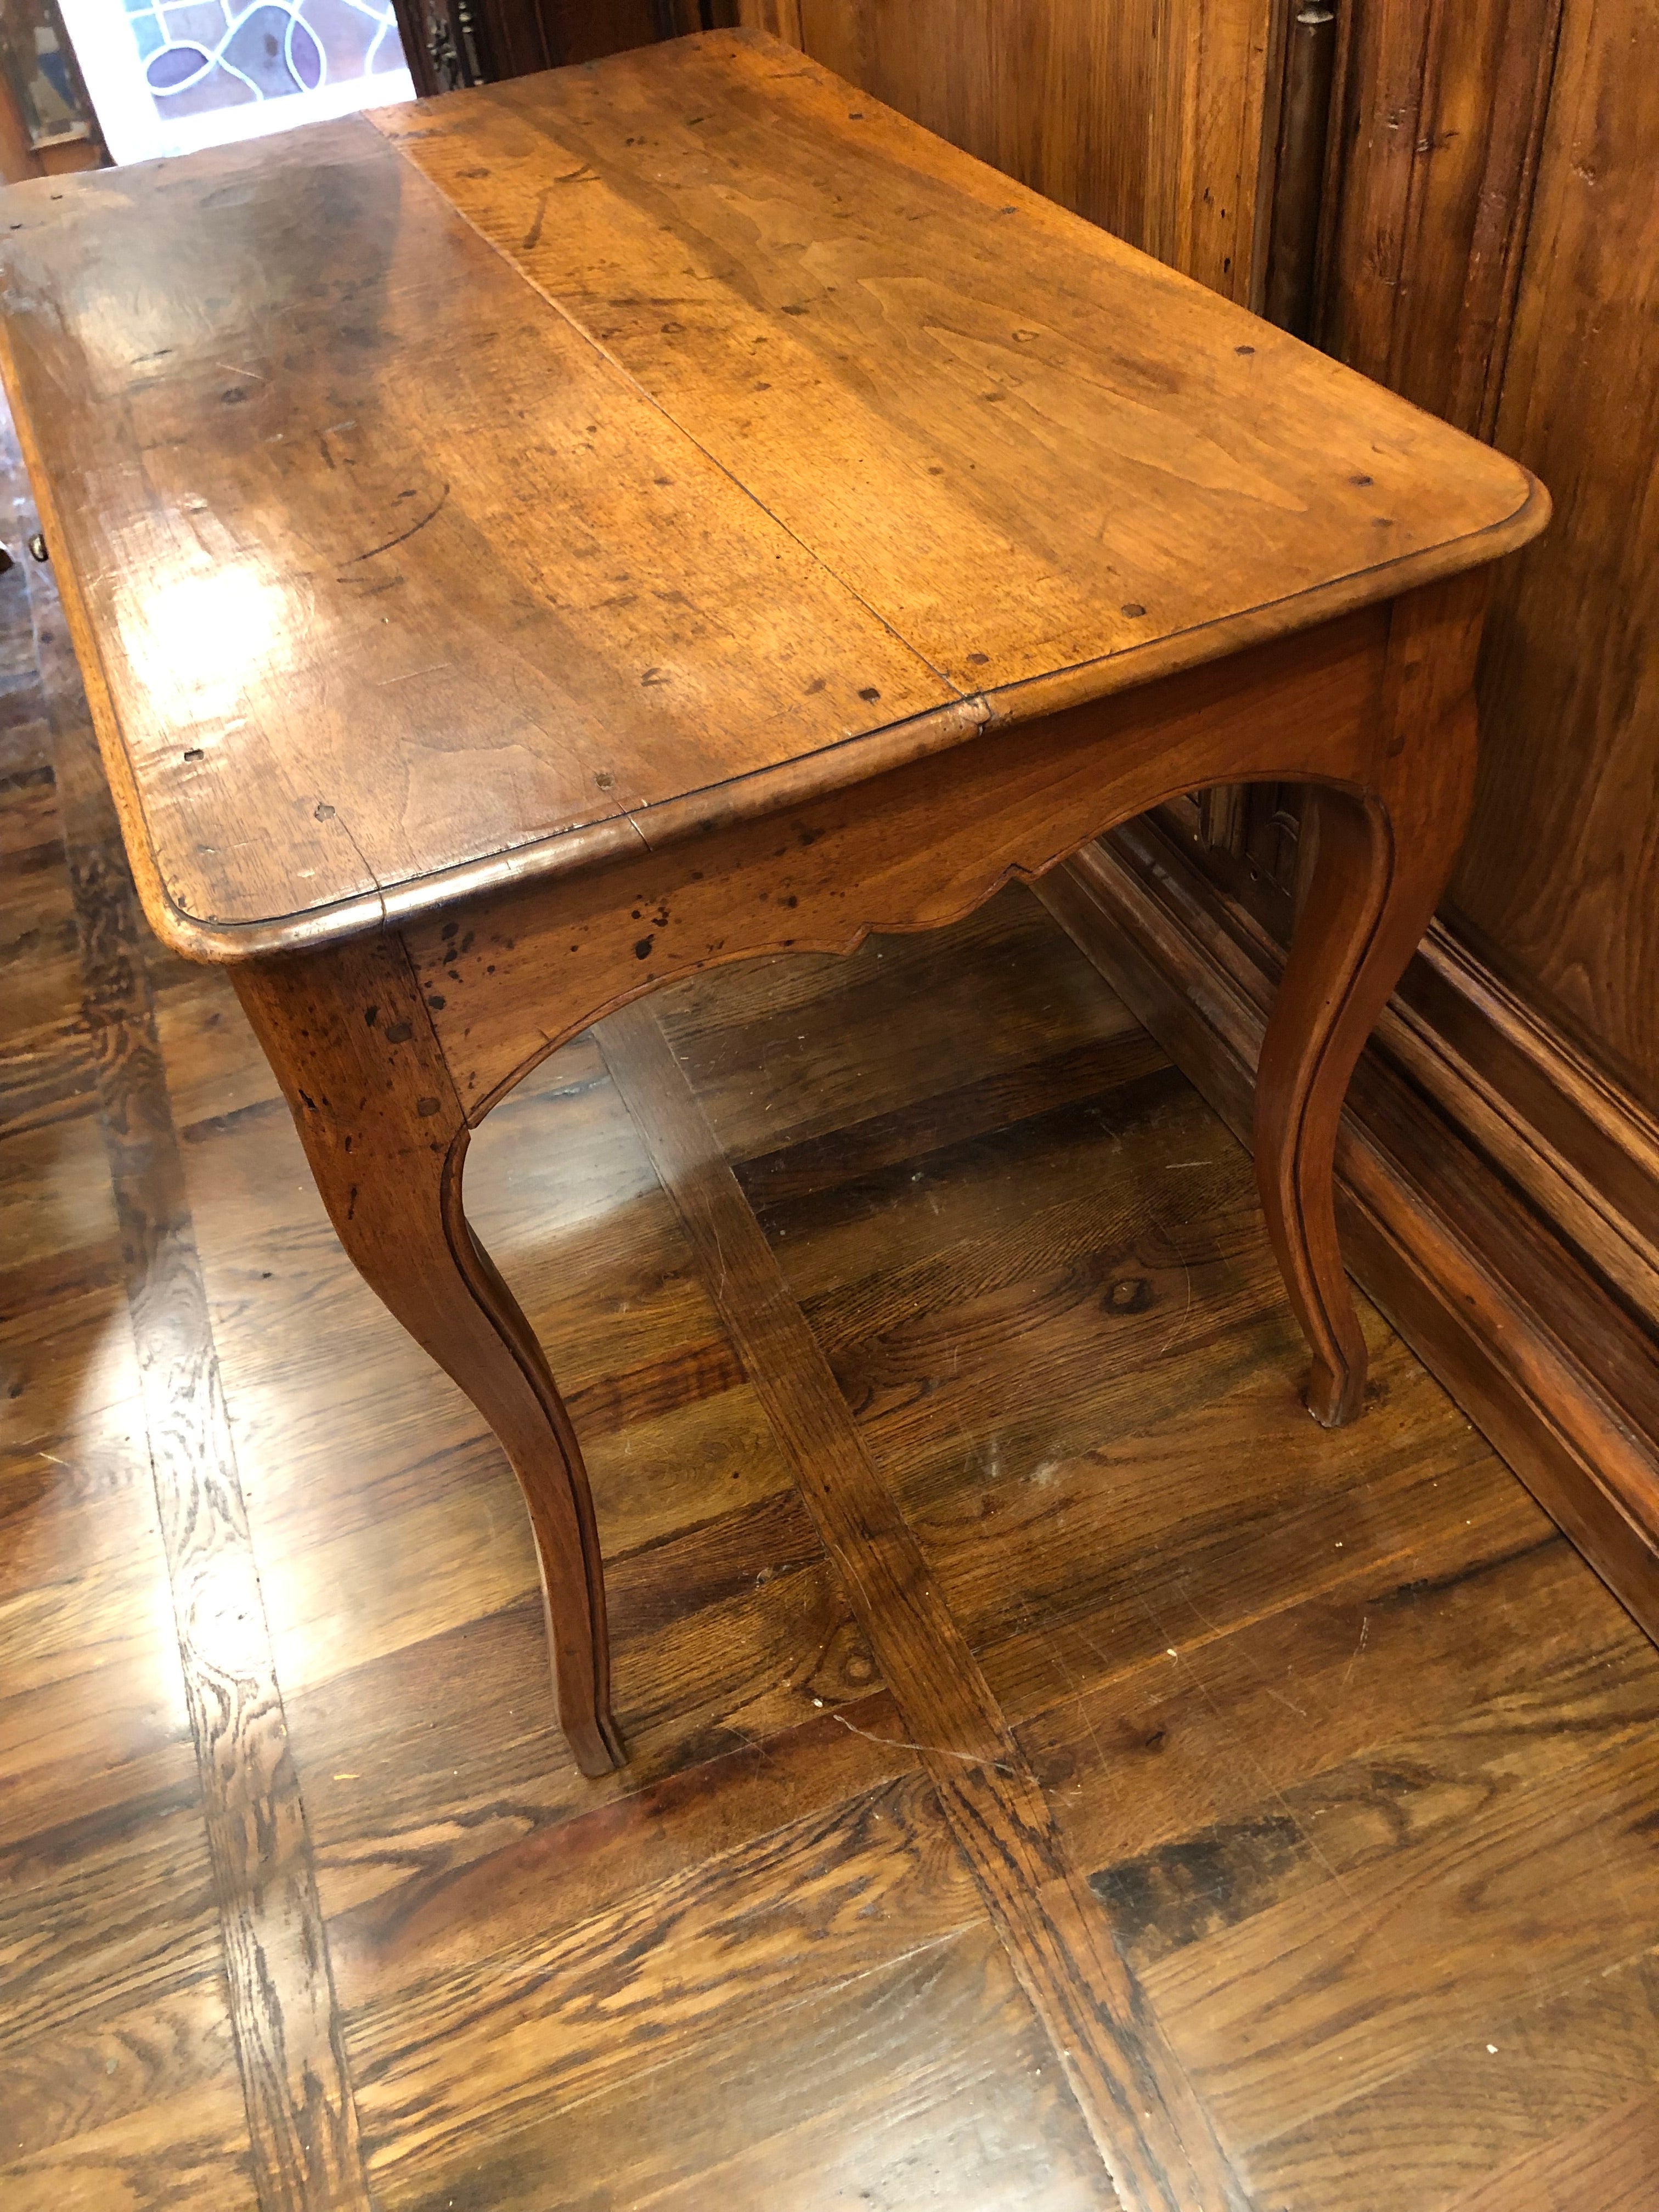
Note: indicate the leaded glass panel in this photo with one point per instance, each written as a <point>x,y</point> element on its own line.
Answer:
<point>203,54</point>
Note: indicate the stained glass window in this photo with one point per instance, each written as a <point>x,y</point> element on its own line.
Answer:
<point>201,54</point>
<point>169,76</point>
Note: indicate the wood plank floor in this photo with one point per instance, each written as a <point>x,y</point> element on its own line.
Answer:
<point>1020,1689</point>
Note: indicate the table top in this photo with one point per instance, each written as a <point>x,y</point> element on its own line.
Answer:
<point>472,489</point>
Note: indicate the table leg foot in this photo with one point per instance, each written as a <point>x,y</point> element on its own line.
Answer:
<point>352,1044</point>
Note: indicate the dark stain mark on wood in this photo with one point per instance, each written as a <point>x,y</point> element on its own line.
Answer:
<point>532,237</point>
<point>401,536</point>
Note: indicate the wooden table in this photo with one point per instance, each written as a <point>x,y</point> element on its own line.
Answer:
<point>525,548</point>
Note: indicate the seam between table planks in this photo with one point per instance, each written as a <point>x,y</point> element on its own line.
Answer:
<point>1067,684</point>
<point>302,2112</point>
<point>1152,2133</point>
<point>620,369</point>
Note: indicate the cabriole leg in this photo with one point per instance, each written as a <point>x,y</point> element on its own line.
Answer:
<point>351,1042</point>
<point>1380,861</point>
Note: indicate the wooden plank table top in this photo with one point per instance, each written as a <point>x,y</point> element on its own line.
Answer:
<point>470,491</point>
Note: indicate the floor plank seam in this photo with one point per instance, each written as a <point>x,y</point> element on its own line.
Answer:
<point>1150,2131</point>
<point>976,703</point>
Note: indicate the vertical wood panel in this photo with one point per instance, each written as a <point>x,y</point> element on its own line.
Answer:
<point>780,18</point>
<point>1428,190</point>
<point>1443,112</point>
<point>1216,206</point>
<point>1559,885</point>
<point>1145,116</point>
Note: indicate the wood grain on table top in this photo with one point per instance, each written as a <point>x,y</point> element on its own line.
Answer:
<point>479,488</point>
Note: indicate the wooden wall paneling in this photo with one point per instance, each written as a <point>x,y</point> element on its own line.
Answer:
<point>1428,174</point>
<point>1382,96</point>
<point>522,36</point>
<point>980,81</point>
<point>585,30</point>
<point>1251,830</point>
<point>514,37</point>
<point>1209,212</point>
<point>1342,62</point>
<point>1584,1152</point>
<point>780,19</point>
<point>1146,117</point>
<point>452,43</point>
<point>1559,888</point>
<point>1443,112</point>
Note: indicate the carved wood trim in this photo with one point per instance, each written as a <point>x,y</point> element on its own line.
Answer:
<point>1300,166</point>
<point>1585,1153</point>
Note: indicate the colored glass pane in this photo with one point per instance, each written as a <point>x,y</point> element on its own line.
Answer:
<point>221,54</point>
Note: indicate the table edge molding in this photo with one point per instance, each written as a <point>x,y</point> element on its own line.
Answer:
<point>765,790</point>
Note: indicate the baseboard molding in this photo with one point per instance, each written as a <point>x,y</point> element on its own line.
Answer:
<point>1497,1194</point>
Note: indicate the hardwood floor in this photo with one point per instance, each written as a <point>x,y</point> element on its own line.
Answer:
<point>1021,1691</point>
